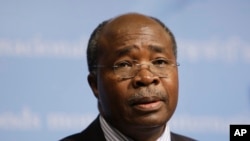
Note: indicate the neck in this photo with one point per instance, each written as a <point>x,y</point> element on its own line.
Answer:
<point>139,133</point>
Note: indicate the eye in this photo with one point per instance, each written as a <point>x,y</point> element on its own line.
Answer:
<point>123,64</point>
<point>161,62</point>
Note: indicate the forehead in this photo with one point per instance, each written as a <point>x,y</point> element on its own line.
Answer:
<point>132,24</point>
<point>133,29</point>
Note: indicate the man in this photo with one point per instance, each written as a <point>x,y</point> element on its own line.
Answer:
<point>134,76</point>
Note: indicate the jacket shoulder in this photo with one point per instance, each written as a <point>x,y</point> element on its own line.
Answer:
<point>93,132</point>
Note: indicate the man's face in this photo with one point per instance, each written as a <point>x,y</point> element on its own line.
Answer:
<point>145,100</point>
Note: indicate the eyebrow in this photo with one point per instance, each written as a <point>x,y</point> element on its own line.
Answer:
<point>125,50</point>
<point>157,49</point>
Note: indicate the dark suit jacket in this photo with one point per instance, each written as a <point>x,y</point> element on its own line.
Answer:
<point>94,133</point>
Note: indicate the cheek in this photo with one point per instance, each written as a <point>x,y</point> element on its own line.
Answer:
<point>112,95</point>
<point>171,86</point>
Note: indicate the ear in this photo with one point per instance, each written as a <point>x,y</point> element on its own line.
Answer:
<point>92,80</point>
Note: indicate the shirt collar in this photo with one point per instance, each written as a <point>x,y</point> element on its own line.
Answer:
<point>112,133</point>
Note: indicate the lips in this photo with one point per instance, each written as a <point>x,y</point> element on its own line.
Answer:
<point>147,104</point>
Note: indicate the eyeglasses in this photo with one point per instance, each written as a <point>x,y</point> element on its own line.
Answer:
<point>159,67</point>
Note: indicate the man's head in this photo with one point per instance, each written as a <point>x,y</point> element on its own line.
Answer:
<point>132,96</point>
<point>92,54</point>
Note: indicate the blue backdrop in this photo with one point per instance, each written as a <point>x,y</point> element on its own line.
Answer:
<point>44,94</point>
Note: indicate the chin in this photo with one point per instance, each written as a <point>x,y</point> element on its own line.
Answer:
<point>150,120</point>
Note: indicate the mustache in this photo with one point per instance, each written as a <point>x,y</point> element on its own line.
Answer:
<point>146,95</point>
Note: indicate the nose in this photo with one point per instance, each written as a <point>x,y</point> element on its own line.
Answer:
<point>145,78</point>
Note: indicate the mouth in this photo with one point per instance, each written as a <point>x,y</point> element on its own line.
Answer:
<point>147,104</point>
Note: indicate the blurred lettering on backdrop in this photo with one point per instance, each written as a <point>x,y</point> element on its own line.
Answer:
<point>43,70</point>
